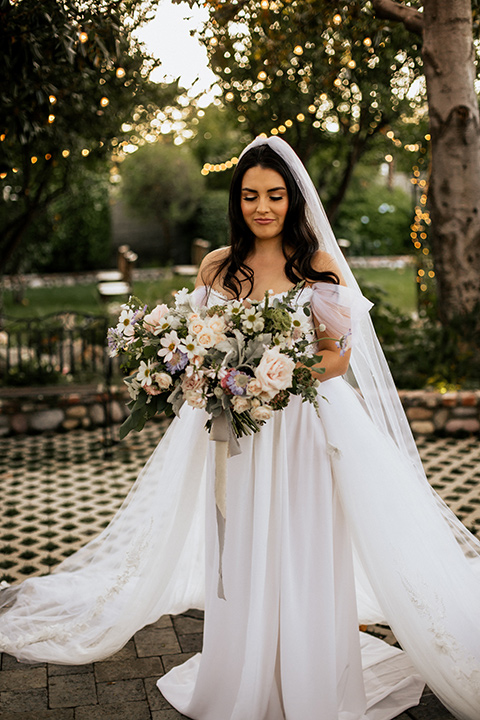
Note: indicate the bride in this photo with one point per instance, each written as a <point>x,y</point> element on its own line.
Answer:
<point>329,520</point>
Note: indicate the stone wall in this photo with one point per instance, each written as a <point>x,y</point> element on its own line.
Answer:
<point>54,409</point>
<point>434,413</point>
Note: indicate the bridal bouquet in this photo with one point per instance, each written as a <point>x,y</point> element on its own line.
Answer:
<point>236,362</point>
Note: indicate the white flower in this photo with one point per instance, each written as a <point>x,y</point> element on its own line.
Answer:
<point>191,347</point>
<point>300,323</point>
<point>181,297</point>
<point>170,343</point>
<point>241,403</point>
<point>262,413</point>
<point>144,373</point>
<point>124,324</point>
<point>253,320</point>
<point>235,307</point>
<point>173,321</point>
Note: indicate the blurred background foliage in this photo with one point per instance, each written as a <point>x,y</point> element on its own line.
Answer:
<point>83,128</point>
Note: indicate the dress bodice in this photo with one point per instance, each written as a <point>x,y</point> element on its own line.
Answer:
<point>338,307</point>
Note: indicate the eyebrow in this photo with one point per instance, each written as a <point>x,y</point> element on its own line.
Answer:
<point>270,190</point>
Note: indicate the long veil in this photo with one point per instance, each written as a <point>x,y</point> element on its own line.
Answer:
<point>416,563</point>
<point>417,566</point>
<point>369,371</point>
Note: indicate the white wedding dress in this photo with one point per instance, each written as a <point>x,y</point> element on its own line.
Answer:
<point>327,524</point>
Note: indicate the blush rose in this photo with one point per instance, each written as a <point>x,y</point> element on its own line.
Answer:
<point>274,372</point>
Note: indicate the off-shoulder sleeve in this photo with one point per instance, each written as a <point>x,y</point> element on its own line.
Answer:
<point>199,296</point>
<point>339,308</point>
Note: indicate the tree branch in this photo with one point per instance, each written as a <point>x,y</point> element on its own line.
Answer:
<point>392,10</point>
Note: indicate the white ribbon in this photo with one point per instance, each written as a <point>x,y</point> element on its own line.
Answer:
<point>226,445</point>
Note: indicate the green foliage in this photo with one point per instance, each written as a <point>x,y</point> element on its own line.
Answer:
<point>164,181</point>
<point>71,75</point>
<point>375,219</point>
<point>326,75</point>
<point>74,232</point>
<point>421,353</point>
<point>212,219</point>
<point>217,137</point>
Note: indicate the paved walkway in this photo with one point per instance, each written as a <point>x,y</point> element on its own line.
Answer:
<point>55,497</point>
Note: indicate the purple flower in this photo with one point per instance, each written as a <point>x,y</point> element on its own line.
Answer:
<point>116,341</point>
<point>344,343</point>
<point>177,362</point>
<point>236,382</point>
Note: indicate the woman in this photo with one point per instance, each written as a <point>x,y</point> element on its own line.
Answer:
<point>284,643</point>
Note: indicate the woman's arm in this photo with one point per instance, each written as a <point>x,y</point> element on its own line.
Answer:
<point>333,361</point>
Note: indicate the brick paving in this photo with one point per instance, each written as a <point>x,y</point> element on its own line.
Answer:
<point>55,498</point>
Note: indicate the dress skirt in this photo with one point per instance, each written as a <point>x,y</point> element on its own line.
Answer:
<point>284,643</point>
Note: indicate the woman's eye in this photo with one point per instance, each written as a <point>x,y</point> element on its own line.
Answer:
<point>275,199</point>
<point>249,199</point>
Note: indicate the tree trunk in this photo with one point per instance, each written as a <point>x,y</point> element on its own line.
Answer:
<point>454,190</point>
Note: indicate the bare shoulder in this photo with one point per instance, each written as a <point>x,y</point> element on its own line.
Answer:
<point>322,261</point>
<point>209,265</point>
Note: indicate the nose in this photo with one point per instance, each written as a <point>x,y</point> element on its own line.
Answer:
<point>262,206</point>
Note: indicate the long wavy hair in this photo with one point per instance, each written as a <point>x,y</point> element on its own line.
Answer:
<point>299,242</point>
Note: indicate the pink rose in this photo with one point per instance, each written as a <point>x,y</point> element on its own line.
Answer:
<point>162,380</point>
<point>262,413</point>
<point>152,389</point>
<point>195,399</point>
<point>195,323</point>
<point>217,324</point>
<point>206,338</point>
<point>254,387</point>
<point>194,382</point>
<point>240,403</point>
<point>274,371</point>
<point>153,319</point>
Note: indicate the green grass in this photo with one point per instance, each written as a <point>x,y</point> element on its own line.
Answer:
<point>39,302</point>
<point>399,285</point>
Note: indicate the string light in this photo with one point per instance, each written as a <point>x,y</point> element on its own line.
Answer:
<point>104,101</point>
<point>120,72</point>
<point>298,50</point>
<point>312,110</point>
<point>51,119</point>
<point>52,99</point>
<point>83,37</point>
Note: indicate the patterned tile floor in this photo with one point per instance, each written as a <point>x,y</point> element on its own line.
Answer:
<point>59,490</point>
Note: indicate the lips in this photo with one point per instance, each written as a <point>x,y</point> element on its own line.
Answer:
<point>263,221</point>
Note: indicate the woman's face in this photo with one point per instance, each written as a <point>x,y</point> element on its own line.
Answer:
<point>264,202</point>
